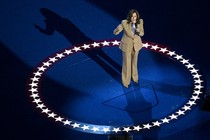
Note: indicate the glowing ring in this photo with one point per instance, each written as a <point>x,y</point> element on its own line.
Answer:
<point>101,129</point>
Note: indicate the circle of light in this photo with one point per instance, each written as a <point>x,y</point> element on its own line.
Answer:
<point>102,129</point>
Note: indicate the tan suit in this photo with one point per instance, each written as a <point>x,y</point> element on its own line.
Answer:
<point>130,45</point>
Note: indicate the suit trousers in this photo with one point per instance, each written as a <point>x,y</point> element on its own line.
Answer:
<point>129,67</point>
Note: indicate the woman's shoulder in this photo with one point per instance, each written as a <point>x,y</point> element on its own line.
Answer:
<point>124,21</point>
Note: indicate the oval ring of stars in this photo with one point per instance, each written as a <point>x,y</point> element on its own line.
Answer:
<point>101,129</point>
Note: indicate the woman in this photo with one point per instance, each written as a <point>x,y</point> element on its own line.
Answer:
<point>130,45</point>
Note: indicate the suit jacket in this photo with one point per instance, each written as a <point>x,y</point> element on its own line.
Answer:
<point>129,40</point>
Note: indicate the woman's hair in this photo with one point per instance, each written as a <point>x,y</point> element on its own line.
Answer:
<point>130,13</point>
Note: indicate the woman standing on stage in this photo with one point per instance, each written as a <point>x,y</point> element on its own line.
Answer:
<point>130,45</point>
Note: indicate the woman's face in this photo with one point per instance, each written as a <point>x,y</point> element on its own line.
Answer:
<point>133,18</point>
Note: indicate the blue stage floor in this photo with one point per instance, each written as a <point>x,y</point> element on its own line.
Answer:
<point>61,71</point>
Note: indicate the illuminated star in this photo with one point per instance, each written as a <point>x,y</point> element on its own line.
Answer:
<point>105,43</point>
<point>186,108</point>
<point>194,71</point>
<point>197,92</point>
<point>46,110</point>
<point>116,130</point>
<point>171,53</point>
<point>47,64</point>
<point>165,120</point>
<point>184,61</point>
<point>195,98</point>
<point>126,129</point>
<point>58,119</point>
<point>178,57</point>
<point>85,46</point>
<point>41,106</point>
<point>33,90</point>
<point>85,127</point>
<point>95,129</point>
<point>42,68</point>
<point>75,125</point>
<point>198,81</point>
<point>180,112</point>
<point>198,87</point>
<point>106,130</point>
<point>154,47</point>
<point>147,126</point>
<point>52,115</point>
<point>115,42</point>
<point>68,52</point>
<point>53,59</point>
<point>156,123</point>
<point>34,95</point>
<point>173,116</point>
<point>191,103</point>
<point>196,75</point>
<point>146,45</point>
<point>76,49</point>
<point>38,73</point>
<point>163,50</point>
<point>137,128</point>
<point>33,84</point>
<point>60,55</point>
<point>189,66</point>
<point>35,79</point>
<point>95,44</point>
<point>67,122</point>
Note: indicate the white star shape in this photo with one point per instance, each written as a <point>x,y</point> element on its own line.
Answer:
<point>171,53</point>
<point>191,103</point>
<point>197,92</point>
<point>76,49</point>
<point>196,75</point>
<point>116,130</point>
<point>34,95</point>
<point>53,59</point>
<point>46,64</point>
<point>66,122</point>
<point>163,50</point>
<point>198,81</point>
<point>37,73</point>
<point>184,61</point>
<point>85,46</point>
<point>33,90</point>
<point>146,45</point>
<point>198,87</point>
<point>186,108</point>
<point>178,57</point>
<point>190,65</point>
<point>106,130</point>
<point>165,120</point>
<point>156,123</point>
<point>95,129</point>
<point>35,79</point>
<point>33,84</point>
<point>58,119</point>
<point>194,70</point>
<point>37,101</point>
<point>180,112</point>
<point>173,116</point>
<point>154,47</point>
<point>68,52</point>
<point>85,127</point>
<point>137,128</point>
<point>40,106</point>
<point>115,42</point>
<point>126,129</point>
<point>46,110</point>
<point>60,55</point>
<point>105,43</point>
<point>195,98</point>
<point>52,115</point>
<point>75,125</point>
<point>42,68</point>
<point>95,44</point>
<point>148,126</point>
